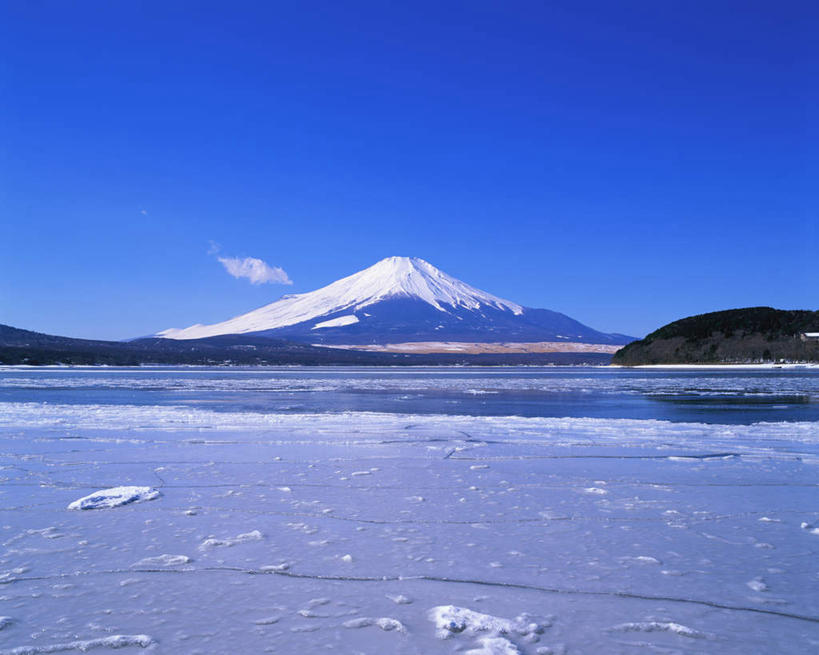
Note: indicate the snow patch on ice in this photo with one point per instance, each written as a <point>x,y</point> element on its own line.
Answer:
<point>112,641</point>
<point>757,584</point>
<point>275,568</point>
<point>494,646</point>
<point>164,560</point>
<point>660,626</point>
<point>213,542</point>
<point>595,490</point>
<point>643,559</point>
<point>268,620</point>
<point>386,623</point>
<point>114,497</point>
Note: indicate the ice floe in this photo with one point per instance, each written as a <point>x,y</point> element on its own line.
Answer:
<point>114,497</point>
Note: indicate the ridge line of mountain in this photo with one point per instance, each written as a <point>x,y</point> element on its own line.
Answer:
<point>400,299</point>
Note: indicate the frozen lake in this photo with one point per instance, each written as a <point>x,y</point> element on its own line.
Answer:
<point>485,511</point>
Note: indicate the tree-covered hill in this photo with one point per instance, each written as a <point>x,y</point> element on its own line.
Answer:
<point>750,335</point>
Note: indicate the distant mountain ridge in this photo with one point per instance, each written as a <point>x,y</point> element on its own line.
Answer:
<point>25,347</point>
<point>400,299</point>
<point>748,335</point>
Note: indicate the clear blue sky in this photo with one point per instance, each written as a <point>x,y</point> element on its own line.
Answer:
<point>627,163</point>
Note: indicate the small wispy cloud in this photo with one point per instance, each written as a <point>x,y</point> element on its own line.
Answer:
<point>213,247</point>
<point>255,270</point>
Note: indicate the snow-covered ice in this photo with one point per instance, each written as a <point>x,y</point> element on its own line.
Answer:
<point>214,542</point>
<point>296,518</point>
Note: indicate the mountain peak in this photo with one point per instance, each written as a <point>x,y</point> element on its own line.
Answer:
<point>416,278</point>
<point>389,278</point>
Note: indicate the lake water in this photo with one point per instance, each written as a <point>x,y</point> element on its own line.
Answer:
<point>497,510</point>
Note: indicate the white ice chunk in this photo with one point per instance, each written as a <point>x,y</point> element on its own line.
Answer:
<point>449,620</point>
<point>757,584</point>
<point>114,497</point>
<point>275,568</point>
<point>595,490</point>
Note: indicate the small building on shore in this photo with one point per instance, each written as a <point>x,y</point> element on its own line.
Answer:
<point>809,336</point>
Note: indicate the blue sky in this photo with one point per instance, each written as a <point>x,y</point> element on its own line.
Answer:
<point>627,163</point>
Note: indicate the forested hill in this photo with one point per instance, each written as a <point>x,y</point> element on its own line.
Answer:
<point>750,335</point>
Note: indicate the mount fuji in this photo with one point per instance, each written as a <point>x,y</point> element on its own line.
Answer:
<point>400,299</point>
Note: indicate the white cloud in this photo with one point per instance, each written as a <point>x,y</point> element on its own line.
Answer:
<point>213,247</point>
<point>255,270</point>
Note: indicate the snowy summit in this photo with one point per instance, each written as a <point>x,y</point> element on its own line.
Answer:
<point>396,298</point>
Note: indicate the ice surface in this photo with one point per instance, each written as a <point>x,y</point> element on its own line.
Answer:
<point>114,497</point>
<point>704,542</point>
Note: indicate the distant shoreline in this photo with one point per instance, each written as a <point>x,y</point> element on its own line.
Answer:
<point>403,367</point>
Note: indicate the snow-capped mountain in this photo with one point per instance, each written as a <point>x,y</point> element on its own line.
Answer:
<point>399,299</point>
